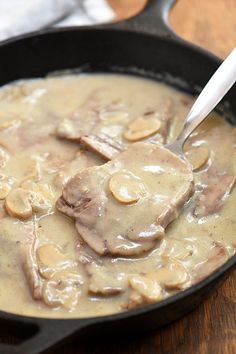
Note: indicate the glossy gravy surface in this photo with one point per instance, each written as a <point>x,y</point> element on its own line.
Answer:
<point>46,267</point>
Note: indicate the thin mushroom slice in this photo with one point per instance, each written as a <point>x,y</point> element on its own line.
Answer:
<point>49,255</point>
<point>135,299</point>
<point>49,259</point>
<point>62,290</point>
<point>148,288</point>
<point>177,249</point>
<point>41,196</point>
<point>18,204</point>
<point>197,156</point>
<point>127,188</point>
<point>172,275</point>
<point>21,203</point>
<point>142,127</point>
<point>39,203</point>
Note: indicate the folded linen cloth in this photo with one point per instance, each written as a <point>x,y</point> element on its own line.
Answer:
<point>22,16</point>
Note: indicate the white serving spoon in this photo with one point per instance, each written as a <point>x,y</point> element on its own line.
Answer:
<point>216,88</point>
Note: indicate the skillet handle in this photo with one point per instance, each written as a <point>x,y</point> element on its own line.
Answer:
<point>152,20</point>
<point>48,333</point>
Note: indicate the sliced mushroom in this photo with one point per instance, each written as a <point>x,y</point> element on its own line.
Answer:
<point>18,203</point>
<point>21,202</point>
<point>177,249</point>
<point>41,188</point>
<point>62,290</point>
<point>142,127</point>
<point>49,255</point>
<point>42,196</point>
<point>127,188</point>
<point>197,156</point>
<point>39,203</point>
<point>135,299</point>
<point>148,288</point>
<point>65,128</point>
<point>172,275</point>
<point>49,258</point>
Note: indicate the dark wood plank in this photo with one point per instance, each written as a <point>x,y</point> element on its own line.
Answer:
<point>208,23</point>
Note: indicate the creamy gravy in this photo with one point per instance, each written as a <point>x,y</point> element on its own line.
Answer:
<point>46,269</point>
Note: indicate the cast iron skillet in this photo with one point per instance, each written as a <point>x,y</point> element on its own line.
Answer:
<point>144,45</point>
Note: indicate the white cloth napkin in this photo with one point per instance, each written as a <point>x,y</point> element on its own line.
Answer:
<point>22,16</point>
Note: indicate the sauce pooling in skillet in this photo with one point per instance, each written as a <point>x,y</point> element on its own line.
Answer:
<point>52,129</point>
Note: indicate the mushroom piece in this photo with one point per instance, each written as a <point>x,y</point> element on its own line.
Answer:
<point>49,255</point>
<point>142,127</point>
<point>177,249</point>
<point>18,203</point>
<point>62,290</point>
<point>39,203</point>
<point>172,275</point>
<point>148,288</point>
<point>127,188</point>
<point>49,259</point>
<point>21,202</point>
<point>135,299</point>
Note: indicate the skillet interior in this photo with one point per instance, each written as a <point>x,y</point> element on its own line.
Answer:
<point>109,50</point>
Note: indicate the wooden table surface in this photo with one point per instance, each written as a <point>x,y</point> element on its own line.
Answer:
<point>211,328</point>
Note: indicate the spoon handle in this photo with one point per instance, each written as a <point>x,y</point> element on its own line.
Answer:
<point>219,84</point>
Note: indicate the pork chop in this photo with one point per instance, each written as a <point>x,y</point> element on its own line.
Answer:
<point>124,206</point>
